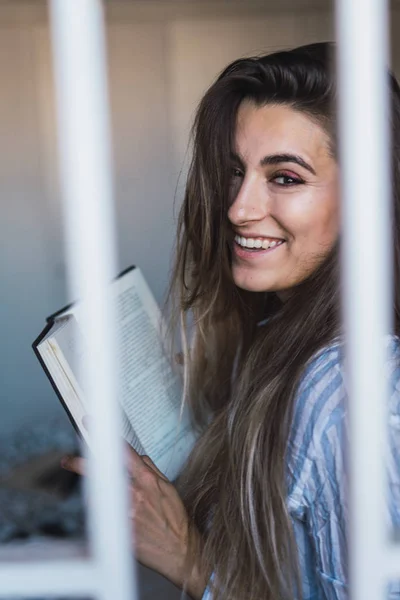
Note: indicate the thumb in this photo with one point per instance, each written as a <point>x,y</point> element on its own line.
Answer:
<point>149,463</point>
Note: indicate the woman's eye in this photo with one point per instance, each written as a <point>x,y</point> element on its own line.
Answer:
<point>286,180</point>
<point>237,173</point>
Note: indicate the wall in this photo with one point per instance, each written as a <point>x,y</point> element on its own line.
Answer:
<point>159,64</point>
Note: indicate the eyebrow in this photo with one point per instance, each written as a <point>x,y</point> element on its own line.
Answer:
<point>276,159</point>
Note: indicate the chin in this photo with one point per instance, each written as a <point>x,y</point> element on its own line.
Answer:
<point>252,283</point>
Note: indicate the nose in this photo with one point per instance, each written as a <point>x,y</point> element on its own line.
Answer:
<point>251,202</point>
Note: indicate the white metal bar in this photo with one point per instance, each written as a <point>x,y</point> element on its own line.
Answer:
<point>83,120</point>
<point>366,262</point>
<point>72,578</point>
<point>391,561</point>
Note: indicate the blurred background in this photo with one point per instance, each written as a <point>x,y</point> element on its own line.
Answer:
<point>162,56</point>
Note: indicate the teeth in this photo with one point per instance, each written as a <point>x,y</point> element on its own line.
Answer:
<point>253,243</point>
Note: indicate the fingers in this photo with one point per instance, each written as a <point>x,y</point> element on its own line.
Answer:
<point>135,463</point>
<point>133,459</point>
<point>138,464</point>
<point>147,460</point>
<point>75,464</point>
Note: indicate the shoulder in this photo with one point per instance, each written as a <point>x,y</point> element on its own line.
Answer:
<point>319,411</point>
<point>317,475</point>
<point>320,396</point>
<point>319,430</point>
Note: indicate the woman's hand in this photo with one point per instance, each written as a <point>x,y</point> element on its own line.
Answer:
<point>160,528</point>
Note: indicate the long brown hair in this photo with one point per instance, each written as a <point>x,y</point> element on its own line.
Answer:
<point>241,379</point>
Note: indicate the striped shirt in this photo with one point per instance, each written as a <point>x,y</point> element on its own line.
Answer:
<point>317,490</point>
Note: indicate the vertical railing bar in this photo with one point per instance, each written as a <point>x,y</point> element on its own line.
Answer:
<point>366,265</point>
<point>391,561</point>
<point>83,122</point>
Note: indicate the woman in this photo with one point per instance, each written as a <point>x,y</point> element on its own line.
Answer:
<point>262,500</point>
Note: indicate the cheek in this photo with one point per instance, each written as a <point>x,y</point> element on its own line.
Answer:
<point>315,222</point>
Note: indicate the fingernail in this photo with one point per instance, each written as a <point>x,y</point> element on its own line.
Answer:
<point>86,422</point>
<point>65,462</point>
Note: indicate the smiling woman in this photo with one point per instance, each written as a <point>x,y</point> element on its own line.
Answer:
<point>257,266</point>
<point>260,509</point>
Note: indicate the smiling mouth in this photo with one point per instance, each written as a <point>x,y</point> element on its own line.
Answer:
<point>257,244</point>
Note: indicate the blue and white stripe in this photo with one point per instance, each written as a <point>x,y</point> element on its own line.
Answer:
<point>317,473</point>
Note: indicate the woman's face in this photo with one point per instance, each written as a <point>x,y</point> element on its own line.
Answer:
<point>284,198</point>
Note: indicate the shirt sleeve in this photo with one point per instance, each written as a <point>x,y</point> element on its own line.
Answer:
<point>206,595</point>
<point>328,517</point>
<point>207,592</point>
<point>320,471</point>
<point>327,486</point>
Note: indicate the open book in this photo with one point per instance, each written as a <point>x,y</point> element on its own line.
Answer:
<point>149,389</point>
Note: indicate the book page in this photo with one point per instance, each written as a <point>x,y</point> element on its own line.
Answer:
<point>67,345</point>
<point>63,381</point>
<point>150,392</point>
<point>129,435</point>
